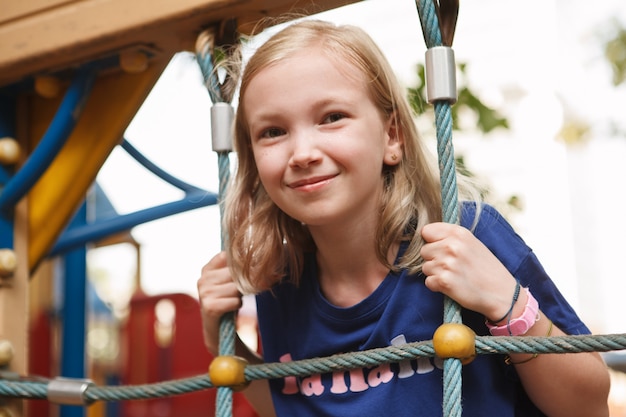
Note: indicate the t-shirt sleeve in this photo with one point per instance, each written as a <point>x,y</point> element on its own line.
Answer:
<point>498,235</point>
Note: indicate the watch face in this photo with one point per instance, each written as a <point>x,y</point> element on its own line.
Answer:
<point>519,326</point>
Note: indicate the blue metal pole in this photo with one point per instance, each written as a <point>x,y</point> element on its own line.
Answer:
<point>74,316</point>
<point>194,198</point>
<point>153,168</point>
<point>53,140</point>
<point>81,234</point>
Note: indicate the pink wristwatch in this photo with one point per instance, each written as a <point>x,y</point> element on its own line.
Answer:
<point>521,324</point>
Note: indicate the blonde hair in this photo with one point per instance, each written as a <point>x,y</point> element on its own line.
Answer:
<point>265,244</point>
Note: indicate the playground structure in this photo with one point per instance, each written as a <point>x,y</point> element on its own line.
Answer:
<point>47,204</point>
<point>72,76</point>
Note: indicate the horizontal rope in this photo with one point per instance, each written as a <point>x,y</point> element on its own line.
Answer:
<point>37,389</point>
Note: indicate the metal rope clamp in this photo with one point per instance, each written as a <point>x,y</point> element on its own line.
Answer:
<point>440,75</point>
<point>69,391</point>
<point>222,115</point>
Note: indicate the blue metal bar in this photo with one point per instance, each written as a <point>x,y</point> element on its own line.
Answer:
<point>4,176</point>
<point>6,233</point>
<point>77,236</point>
<point>150,166</point>
<point>52,142</point>
<point>74,316</point>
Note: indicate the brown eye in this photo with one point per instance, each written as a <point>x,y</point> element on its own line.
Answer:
<point>272,132</point>
<point>334,117</point>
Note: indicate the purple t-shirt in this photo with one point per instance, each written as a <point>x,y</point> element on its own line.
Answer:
<point>299,323</point>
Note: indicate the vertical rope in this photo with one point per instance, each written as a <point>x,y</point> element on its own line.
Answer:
<point>204,48</point>
<point>228,331</point>
<point>452,377</point>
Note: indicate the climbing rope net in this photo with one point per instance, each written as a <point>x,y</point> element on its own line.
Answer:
<point>438,21</point>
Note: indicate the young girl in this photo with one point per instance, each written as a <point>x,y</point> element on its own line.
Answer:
<point>334,222</point>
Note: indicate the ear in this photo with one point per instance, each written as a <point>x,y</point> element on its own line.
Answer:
<point>394,137</point>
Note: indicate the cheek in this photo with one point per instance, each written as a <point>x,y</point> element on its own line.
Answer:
<point>268,166</point>
<point>366,155</point>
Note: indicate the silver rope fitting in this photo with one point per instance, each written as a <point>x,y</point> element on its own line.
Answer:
<point>68,391</point>
<point>440,75</point>
<point>222,116</point>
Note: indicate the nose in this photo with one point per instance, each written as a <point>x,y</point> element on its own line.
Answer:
<point>305,151</point>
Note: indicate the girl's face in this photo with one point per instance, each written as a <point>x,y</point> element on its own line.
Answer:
<point>318,140</point>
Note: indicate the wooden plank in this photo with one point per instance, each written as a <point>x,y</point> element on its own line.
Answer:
<point>72,32</point>
<point>11,10</point>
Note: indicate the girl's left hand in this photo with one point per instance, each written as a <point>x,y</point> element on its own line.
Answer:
<point>460,266</point>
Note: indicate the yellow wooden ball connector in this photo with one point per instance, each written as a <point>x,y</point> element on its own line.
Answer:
<point>6,412</point>
<point>133,62</point>
<point>8,262</point>
<point>6,352</point>
<point>228,371</point>
<point>9,151</point>
<point>47,86</point>
<point>455,340</point>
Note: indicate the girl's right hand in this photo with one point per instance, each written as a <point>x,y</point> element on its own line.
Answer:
<point>218,295</point>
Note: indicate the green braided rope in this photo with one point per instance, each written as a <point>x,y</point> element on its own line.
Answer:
<point>205,60</point>
<point>228,332</point>
<point>23,389</point>
<point>484,345</point>
<point>452,375</point>
<point>447,165</point>
<point>147,391</point>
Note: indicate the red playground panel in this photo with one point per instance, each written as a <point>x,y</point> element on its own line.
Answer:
<point>162,341</point>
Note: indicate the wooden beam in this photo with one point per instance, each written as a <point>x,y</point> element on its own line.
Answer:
<point>40,36</point>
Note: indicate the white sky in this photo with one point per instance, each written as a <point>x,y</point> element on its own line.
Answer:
<point>528,58</point>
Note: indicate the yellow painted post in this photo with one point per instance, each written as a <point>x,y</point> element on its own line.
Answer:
<point>114,101</point>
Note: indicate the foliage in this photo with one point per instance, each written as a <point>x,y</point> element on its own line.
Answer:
<point>613,44</point>
<point>488,119</point>
<point>615,54</point>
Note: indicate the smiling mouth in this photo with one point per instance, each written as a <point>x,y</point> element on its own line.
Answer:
<point>310,181</point>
